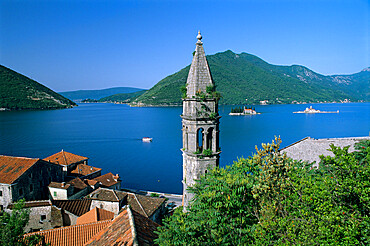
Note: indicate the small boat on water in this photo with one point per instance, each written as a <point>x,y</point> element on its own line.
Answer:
<point>146,139</point>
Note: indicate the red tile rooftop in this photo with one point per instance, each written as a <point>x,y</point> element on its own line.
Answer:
<point>108,180</point>
<point>32,204</point>
<point>76,207</point>
<point>65,158</point>
<point>58,185</point>
<point>97,214</point>
<point>129,228</point>
<point>76,235</point>
<point>77,183</point>
<point>11,168</point>
<point>84,170</point>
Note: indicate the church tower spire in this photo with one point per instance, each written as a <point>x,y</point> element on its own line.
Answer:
<point>200,122</point>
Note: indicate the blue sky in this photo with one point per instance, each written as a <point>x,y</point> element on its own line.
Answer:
<point>90,44</point>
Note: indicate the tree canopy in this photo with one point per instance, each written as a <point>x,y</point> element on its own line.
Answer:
<point>270,199</point>
<point>12,227</point>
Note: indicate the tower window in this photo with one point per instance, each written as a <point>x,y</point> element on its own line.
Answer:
<point>200,139</point>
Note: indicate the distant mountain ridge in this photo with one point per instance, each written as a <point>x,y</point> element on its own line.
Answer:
<point>97,94</point>
<point>247,79</point>
<point>18,92</point>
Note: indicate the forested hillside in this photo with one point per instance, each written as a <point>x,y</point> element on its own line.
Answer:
<point>19,92</point>
<point>244,78</point>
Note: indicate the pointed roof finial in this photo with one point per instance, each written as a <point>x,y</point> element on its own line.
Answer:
<point>199,37</point>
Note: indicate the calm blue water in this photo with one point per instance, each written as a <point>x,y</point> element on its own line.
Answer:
<point>110,135</point>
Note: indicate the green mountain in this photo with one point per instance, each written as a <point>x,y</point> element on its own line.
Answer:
<point>19,92</point>
<point>122,97</point>
<point>247,79</point>
<point>97,94</point>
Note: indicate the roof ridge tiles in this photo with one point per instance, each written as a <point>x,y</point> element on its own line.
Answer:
<point>132,225</point>
<point>141,206</point>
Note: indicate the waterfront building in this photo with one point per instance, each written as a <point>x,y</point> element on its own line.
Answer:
<point>200,122</point>
<point>67,160</point>
<point>27,178</point>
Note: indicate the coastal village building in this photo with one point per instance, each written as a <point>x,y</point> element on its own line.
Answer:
<point>95,215</point>
<point>310,149</point>
<point>200,123</point>
<point>72,209</point>
<point>67,160</point>
<point>73,189</point>
<point>84,171</point>
<point>109,181</point>
<point>113,200</point>
<point>26,178</point>
<point>128,228</point>
<point>42,215</point>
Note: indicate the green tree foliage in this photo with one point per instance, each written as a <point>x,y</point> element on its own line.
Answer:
<point>269,199</point>
<point>11,227</point>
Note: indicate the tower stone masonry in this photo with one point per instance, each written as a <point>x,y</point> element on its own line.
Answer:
<point>200,123</point>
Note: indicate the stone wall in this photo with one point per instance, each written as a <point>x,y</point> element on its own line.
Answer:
<point>110,206</point>
<point>5,195</point>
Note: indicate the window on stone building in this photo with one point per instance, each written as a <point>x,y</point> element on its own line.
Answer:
<point>1,193</point>
<point>209,138</point>
<point>43,217</point>
<point>200,139</point>
<point>1,207</point>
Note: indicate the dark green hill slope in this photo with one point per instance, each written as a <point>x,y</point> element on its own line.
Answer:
<point>19,92</point>
<point>122,97</point>
<point>97,94</point>
<point>243,76</point>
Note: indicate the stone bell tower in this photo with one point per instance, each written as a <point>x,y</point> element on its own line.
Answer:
<point>200,122</point>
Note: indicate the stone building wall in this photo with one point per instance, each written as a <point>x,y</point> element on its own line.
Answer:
<point>5,195</point>
<point>33,184</point>
<point>107,205</point>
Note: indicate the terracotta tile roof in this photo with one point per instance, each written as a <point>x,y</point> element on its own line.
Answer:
<point>83,170</point>
<point>76,207</point>
<point>145,229</point>
<point>144,205</point>
<point>90,182</point>
<point>97,214</point>
<point>65,158</point>
<point>32,204</point>
<point>11,168</point>
<point>76,235</point>
<point>103,194</point>
<point>58,185</point>
<point>77,183</point>
<point>129,228</point>
<point>107,180</point>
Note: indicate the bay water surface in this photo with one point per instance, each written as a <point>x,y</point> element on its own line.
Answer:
<point>110,135</point>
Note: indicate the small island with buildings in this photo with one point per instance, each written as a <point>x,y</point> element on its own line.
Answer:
<point>311,110</point>
<point>243,111</point>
